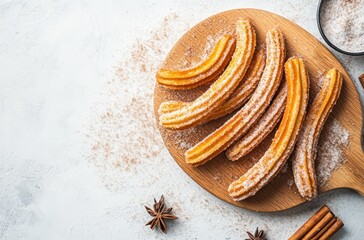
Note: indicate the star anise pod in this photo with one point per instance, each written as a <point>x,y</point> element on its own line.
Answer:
<point>160,215</point>
<point>258,235</point>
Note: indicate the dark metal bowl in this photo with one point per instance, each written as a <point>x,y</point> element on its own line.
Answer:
<point>318,18</point>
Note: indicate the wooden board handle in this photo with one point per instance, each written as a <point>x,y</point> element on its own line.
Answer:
<point>347,177</point>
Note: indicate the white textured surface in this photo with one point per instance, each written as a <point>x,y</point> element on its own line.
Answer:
<point>56,58</point>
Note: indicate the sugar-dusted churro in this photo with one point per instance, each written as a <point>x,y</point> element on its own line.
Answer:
<point>240,95</point>
<point>171,106</point>
<point>245,118</point>
<point>245,89</point>
<point>303,164</point>
<point>205,72</point>
<point>196,112</point>
<point>276,156</point>
<point>261,129</point>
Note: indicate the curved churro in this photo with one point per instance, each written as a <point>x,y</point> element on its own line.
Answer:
<point>245,89</point>
<point>205,72</point>
<point>303,164</point>
<point>261,129</point>
<point>192,114</point>
<point>280,149</point>
<point>244,119</point>
<point>240,95</point>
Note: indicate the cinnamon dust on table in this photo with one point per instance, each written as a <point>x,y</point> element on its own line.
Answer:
<point>123,132</point>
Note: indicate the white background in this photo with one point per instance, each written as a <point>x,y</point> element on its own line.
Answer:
<point>56,58</point>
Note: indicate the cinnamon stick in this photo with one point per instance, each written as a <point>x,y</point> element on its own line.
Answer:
<point>307,226</point>
<point>319,226</point>
<point>318,235</point>
<point>332,230</point>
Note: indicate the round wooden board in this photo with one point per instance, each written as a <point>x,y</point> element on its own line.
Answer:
<point>216,175</point>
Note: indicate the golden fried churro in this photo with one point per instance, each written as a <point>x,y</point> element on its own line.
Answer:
<point>205,72</point>
<point>280,149</point>
<point>303,164</point>
<point>170,106</point>
<point>245,118</point>
<point>261,129</point>
<point>245,89</point>
<point>240,95</point>
<point>192,114</point>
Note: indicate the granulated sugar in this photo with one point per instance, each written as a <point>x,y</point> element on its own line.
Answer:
<point>343,23</point>
<point>182,137</point>
<point>333,140</point>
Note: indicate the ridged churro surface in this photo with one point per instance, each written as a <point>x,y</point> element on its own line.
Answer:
<point>261,129</point>
<point>193,114</point>
<point>282,145</point>
<point>203,73</point>
<point>245,118</point>
<point>303,164</point>
<point>240,95</point>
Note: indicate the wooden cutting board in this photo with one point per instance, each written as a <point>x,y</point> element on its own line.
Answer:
<point>216,175</point>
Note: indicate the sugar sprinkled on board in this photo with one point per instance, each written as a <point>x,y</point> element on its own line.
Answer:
<point>284,168</point>
<point>182,138</point>
<point>333,141</point>
<point>211,42</point>
<point>290,182</point>
<point>334,138</point>
<point>343,23</point>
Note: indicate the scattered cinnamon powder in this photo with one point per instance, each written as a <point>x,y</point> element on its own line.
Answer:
<point>123,131</point>
<point>333,140</point>
<point>343,23</point>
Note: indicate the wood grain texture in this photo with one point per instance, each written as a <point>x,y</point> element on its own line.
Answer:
<point>216,175</point>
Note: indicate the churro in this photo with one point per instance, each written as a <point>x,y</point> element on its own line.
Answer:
<point>240,95</point>
<point>303,164</point>
<point>245,118</point>
<point>261,129</point>
<point>205,72</point>
<point>245,89</point>
<point>280,149</point>
<point>196,112</point>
